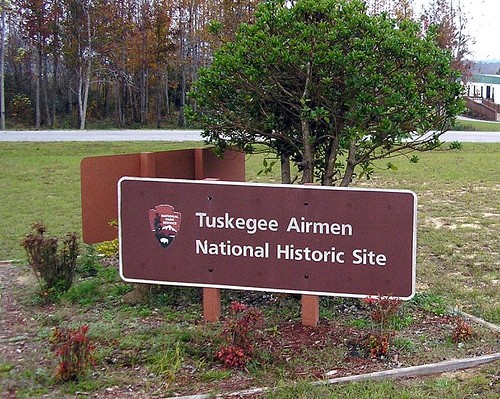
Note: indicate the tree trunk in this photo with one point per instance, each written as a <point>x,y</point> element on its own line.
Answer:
<point>308,155</point>
<point>121,102</point>
<point>158,104</point>
<point>70,109</point>
<point>286,175</point>
<point>106,94</point>
<point>55,55</point>
<point>133,103</point>
<point>45,85</point>
<point>167,94</point>
<point>331,159</point>
<point>351,164</point>
<point>182,119</point>
<point>86,88</point>
<point>83,93</point>
<point>79,95</point>
<point>54,88</point>
<point>38,116</point>
<point>143,94</point>
<point>84,76</point>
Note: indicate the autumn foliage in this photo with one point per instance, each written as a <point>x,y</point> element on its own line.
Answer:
<point>382,310</point>
<point>74,350</point>
<point>125,61</point>
<point>130,62</point>
<point>240,330</point>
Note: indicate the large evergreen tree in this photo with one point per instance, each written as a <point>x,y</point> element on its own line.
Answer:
<point>330,87</point>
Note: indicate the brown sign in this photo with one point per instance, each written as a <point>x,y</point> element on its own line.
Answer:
<point>100,175</point>
<point>283,238</point>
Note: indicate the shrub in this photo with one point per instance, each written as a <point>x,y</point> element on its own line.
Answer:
<point>21,108</point>
<point>239,331</point>
<point>55,266</point>
<point>462,331</point>
<point>74,350</point>
<point>455,145</point>
<point>382,310</point>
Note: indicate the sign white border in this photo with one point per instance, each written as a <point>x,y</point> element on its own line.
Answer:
<point>286,186</point>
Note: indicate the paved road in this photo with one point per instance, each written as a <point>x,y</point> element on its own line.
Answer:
<point>181,135</point>
<point>471,137</point>
<point>101,135</point>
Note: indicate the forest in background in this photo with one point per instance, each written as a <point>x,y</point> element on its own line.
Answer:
<point>130,63</point>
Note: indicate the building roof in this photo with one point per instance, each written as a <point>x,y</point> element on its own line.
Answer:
<point>482,78</point>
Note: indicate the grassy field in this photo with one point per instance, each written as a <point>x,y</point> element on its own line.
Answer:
<point>458,224</point>
<point>458,266</point>
<point>477,126</point>
<point>458,194</point>
<point>41,182</point>
<point>458,221</point>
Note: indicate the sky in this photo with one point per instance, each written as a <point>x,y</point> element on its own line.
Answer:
<point>483,26</point>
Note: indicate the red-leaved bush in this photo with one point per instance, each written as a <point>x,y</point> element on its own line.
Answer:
<point>382,310</point>
<point>74,349</point>
<point>462,331</point>
<point>239,331</point>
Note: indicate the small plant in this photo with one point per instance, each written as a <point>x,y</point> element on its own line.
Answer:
<point>74,350</point>
<point>462,331</point>
<point>382,310</point>
<point>233,356</point>
<point>377,344</point>
<point>403,344</point>
<point>215,375</point>
<point>108,248</point>
<point>84,293</point>
<point>430,303</point>
<point>55,266</point>
<point>88,265</point>
<point>167,362</point>
<point>239,332</point>
<point>455,145</point>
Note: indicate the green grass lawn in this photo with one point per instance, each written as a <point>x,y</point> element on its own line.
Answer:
<point>479,126</point>
<point>41,182</point>
<point>458,224</point>
<point>458,194</point>
<point>458,261</point>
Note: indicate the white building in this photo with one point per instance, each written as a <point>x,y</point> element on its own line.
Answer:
<point>483,96</point>
<point>484,86</point>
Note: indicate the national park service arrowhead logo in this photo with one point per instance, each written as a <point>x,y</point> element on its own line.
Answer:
<point>165,224</point>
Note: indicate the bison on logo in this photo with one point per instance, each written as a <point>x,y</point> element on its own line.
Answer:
<point>165,224</point>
